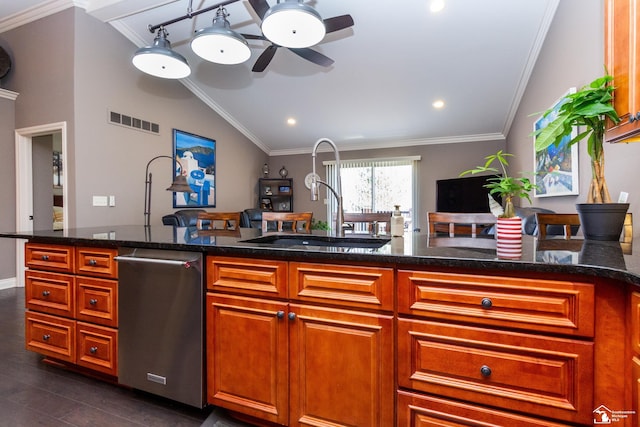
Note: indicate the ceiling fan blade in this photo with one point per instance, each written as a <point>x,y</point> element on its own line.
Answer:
<point>313,56</point>
<point>264,59</point>
<point>253,37</point>
<point>338,23</point>
<point>260,6</point>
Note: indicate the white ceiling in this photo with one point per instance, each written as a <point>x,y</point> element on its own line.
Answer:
<point>397,59</point>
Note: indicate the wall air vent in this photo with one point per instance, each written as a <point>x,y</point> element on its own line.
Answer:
<point>133,122</point>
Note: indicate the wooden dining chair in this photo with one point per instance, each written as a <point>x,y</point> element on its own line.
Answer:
<point>459,223</point>
<point>299,221</point>
<point>365,221</point>
<point>543,220</point>
<point>218,221</point>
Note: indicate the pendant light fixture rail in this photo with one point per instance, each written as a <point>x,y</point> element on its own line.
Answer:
<point>190,14</point>
<point>290,24</point>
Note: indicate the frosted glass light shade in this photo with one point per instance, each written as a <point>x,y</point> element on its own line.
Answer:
<point>293,24</point>
<point>160,61</point>
<point>220,44</point>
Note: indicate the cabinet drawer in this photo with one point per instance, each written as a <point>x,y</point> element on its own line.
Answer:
<point>429,411</point>
<point>97,262</point>
<point>546,376</point>
<point>247,276</point>
<point>50,335</point>
<point>534,304</point>
<point>352,286</point>
<point>52,293</point>
<point>97,348</point>
<point>97,301</point>
<point>50,257</point>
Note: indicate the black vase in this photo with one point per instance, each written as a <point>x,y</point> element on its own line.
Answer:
<point>602,221</point>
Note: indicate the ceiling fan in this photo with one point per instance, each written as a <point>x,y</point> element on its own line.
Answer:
<point>292,35</point>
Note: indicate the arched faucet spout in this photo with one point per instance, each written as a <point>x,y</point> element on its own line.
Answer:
<point>337,192</point>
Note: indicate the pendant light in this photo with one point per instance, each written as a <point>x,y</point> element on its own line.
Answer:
<point>159,60</point>
<point>219,43</point>
<point>293,24</point>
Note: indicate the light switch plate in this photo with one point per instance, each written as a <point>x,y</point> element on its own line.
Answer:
<point>112,200</point>
<point>100,201</point>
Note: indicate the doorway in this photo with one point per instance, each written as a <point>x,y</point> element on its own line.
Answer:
<point>25,185</point>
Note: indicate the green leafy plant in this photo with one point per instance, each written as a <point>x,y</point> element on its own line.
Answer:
<point>589,107</point>
<point>506,186</point>
<point>319,225</point>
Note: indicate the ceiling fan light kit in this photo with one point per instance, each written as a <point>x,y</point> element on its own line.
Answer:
<point>160,61</point>
<point>293,24</point>
<point>220,44</point>
<point>290,24</point>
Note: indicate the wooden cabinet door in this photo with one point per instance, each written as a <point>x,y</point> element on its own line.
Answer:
<point>622,27</point>
<point>247,356</point>
<point>97,348</point>
<point>52,293</point>
<point>98,262</point>
<point>247,276</point>
<point>346,285</point>
<point>342,371</point>
<point>97,301</point>
<point>47,257</point>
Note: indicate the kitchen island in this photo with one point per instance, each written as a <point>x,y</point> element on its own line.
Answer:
<point>411,333</point>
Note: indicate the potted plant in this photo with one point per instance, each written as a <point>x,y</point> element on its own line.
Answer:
<point>502,184</point>
<point>508,226</point>
<point>589,108</point>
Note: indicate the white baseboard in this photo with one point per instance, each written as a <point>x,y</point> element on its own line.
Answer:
<point>8,283</point>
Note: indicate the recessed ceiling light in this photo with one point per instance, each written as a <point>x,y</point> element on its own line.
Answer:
<point>436,5</point>
<point>291,121</point>
<point>438,104</point>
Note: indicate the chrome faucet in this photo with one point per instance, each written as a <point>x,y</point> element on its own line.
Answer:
<point>337,193</point>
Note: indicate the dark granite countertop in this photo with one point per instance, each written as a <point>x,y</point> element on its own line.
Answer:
<point>620,261</point>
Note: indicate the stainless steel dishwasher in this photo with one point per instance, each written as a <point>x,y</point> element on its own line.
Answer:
<point>160,317</point>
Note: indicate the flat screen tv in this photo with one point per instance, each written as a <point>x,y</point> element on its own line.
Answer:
<point>463,194</point>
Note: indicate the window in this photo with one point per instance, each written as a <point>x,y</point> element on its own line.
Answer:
<point>376,185</point>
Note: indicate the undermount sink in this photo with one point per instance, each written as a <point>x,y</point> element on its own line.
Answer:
<point>303,240</point>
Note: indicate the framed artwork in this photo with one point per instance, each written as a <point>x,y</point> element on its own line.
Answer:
<point>556,168</point>
<point>195,158</point>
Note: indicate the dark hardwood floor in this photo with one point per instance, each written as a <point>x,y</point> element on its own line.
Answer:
<point>33,393</point>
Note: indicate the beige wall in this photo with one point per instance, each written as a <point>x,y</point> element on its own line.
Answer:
<point>77,77</point>
<point>7,189</point>
<point>572,56</point>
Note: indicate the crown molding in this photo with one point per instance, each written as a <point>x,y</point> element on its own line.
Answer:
<point>38,11</point>
<point>7,94</point>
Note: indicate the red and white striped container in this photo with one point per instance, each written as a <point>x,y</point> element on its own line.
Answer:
<point>509,238</point>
